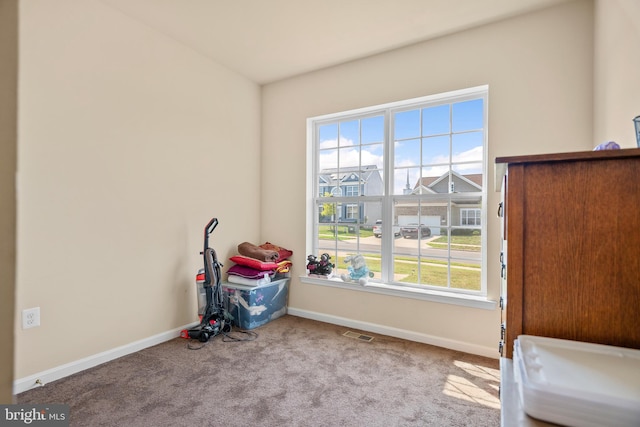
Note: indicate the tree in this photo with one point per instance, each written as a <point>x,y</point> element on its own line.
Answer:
<point>329,209</point>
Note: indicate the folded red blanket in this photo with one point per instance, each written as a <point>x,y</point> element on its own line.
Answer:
<point>252,251</point>
<point>282,252</point>
<point>254,263</point>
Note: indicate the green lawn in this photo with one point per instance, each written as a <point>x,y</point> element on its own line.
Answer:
<point>458,243</point>
<point>329,232</point>
<point>433,272</point>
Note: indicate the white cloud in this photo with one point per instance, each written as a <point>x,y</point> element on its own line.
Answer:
<point>349,157</point>
<point>473,155</point>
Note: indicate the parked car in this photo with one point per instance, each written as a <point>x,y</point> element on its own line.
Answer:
<point>415,230</point>
<point>377,229</point>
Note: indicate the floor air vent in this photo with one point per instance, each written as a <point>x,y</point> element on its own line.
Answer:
<point>358,336</point>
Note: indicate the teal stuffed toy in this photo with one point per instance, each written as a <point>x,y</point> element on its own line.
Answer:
<point>358,270</point>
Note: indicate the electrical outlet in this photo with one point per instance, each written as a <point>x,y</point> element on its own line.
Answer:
<point>30,318</point>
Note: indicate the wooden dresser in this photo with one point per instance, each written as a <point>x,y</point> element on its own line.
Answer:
<point>571,247</point>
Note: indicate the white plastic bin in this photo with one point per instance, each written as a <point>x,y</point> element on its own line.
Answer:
<point>578,384</point>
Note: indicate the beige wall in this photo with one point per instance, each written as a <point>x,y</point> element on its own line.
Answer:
<point>616,71</point>
<point>8,144</point>
<point>539,71</point>
<point>129,143</point>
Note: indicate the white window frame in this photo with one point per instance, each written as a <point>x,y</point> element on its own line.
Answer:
<point>477,300</point>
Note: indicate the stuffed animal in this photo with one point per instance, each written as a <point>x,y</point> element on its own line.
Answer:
<point>358,270</point>
<point>320,267</point>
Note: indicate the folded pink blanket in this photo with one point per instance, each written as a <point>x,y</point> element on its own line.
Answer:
<point>252,251</point>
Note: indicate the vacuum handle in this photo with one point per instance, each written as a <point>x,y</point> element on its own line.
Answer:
<point>211,226</point>
<point>208,230</point>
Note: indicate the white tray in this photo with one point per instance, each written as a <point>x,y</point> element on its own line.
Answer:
<point>578,384</point>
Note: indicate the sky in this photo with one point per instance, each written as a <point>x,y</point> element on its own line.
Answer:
<point>421,141</point>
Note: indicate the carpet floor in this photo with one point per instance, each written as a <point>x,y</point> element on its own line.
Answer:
<point>295,372</point>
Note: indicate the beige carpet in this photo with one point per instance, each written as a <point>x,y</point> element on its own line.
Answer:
<point>297,372</point>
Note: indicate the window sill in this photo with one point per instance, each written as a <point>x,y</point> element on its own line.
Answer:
<point>403,292</point>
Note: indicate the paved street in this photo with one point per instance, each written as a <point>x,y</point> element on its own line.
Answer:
<point>407,247</point>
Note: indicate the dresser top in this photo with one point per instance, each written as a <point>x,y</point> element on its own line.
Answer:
<point>502,162</point>
<point>572,156</point>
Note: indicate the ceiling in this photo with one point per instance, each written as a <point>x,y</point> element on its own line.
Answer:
<point>269,40</point>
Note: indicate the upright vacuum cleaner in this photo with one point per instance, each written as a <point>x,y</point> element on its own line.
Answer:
<point>212,321</point>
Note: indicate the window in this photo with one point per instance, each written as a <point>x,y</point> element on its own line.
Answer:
<point>352,212</point>
<point>351,190</point>
<point>470,216</point>
<point>416,170</point>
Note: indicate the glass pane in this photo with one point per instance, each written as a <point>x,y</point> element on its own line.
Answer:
<point>406,180</point>
<point>466,275</point>
<point>373,130</point>
<point>347,237</point>
<point>339,212</point>
<point>340,268</point>
<point>405,269</point>
<point>467,147</point>
<point>350,133</point>
<point>435,150</point>
<point>467,115</point>
<point>467,178</point>
<point>372,155</point>
<point>466,256</point>
<point>371,212</point>
<point>434,181</point>
<point>350,181</point>
<point>434,273</point>
<point>328,159</point>
<point>406,124</point>
<point>406,215</point>
<point>410,241</point>
<point>433,214</point>
<point>468,168</point>
<point>349,157</point>
<point>435,120</point>
<point>466,239</point>
<point>372,182</point>
<point>325,246</point>
<point>326,214</point>
<point>407,153</point>
<point>328,136</point>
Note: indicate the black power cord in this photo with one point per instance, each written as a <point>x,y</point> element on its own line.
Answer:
<point>228,336</point>
<point>241,337</point>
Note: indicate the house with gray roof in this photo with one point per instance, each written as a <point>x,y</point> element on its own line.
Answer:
<point>352,182</point>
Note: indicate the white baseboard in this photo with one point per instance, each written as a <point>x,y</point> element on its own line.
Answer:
<point>50,375</point>
<point>397,333</point>
<point>44,377</point>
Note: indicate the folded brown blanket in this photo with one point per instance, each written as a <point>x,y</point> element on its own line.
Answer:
<point>252,251</point>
